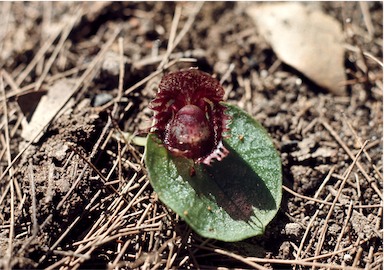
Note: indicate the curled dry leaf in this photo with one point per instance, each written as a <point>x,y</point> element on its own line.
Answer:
<point>306,39</point>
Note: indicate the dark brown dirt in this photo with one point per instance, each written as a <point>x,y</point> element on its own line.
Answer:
<point>72,218</point>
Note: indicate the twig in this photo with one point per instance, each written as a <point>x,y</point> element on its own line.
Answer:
<point>172,35</point>
<point>358,191</point>
<point>346,220</point>
<point>352,156</point>
<point>40,53</point>
<point>367,54</point>
<point>143,81</point>
<point>227,73</point>
<point>330,212</point>
<point>328,203</point>
<point>326,179</point>
<point>306,233</point>
<point>115,263</point>
<point>11,82</point>
<point>173,43</point>
<point>8,255</point>
<point>367,18</point>
<point>188,24</point>
<point>331,254</point>
<point>58,48</point>
<point>251,260</point>
<point>358,139</point>
<point>357,258</point>
<point>170,258</point>
<point>197,53</point>
<point>6,8</point>
<point>121,66</point>
<point>30,87</point>
<point>155,73</point>
<point>76,87</point>
<point>114,221</point>
<point>309,227</point>
<point>253,264</point>
<point>70,227</point>
<point>33,196</point>
<point>102,177</point>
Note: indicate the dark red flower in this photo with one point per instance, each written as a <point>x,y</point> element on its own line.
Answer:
<point>190,119</point>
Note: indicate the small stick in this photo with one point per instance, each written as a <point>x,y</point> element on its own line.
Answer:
<point>35,226</point>
<point>344,227</point>
<point>170,255</point>
<point>251,260</point>
<point>306,233</point>
<point>367,18</point>
<point>8,255</point>
<point>115,263</point>
<point>357,258</point>
<point>358,139</point>
<point>327,255</point>
<point>358,191</point>
<point>328,203</point>
<point>102,177</point>
<point>8,78</point>
<point>227,73</point>
<point>58,48</point>
<point>367,54</point>
<point>172,35</point>
<point>352,156</point>
<point>40,53</point>
<point>330,212</point>
<point>253,264</point>
<point>30,87</point>
<point>182,33</point>
<point>69,228</point>
<point>326,179</point>
<point>77,86</point>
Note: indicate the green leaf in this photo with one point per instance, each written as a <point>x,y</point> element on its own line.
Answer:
<point>230,200</point>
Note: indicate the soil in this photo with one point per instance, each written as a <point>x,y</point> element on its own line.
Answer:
<point>79,197</point>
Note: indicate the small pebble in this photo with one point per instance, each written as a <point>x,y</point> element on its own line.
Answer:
<point>347,258</point>
<point>293,229</point>
<point>101,99</point>
<point>111,63</point>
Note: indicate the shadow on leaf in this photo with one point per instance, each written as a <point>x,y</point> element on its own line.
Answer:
<point>231,184</point>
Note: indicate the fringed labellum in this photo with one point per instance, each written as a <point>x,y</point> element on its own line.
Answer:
<point>189,118</point>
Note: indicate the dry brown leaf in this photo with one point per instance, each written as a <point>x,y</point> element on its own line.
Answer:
<point>50,104</point>
<point>306,39</point>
